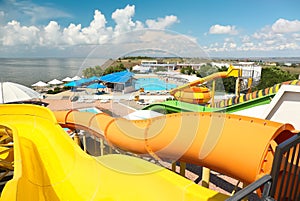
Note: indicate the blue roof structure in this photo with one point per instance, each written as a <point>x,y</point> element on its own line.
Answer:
<point>96,86</point>
<point>118,77</point>
<point>73,84</point>
<point>91,79</point>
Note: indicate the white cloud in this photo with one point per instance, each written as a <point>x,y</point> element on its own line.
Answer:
<point>155,42</point>
<point>162,23</point>
<point>269,42</point>
<point>245,39</point>
<point>29,12</point>
<point>15,34</point>
<point>281,35</point>
<point>51,34</point>
<point>232,45</point>
<point>286,26</point>
<point>296,36</point>
<point>73,35</point>
<point>54,36</point>
<point>288,46</point>
<point>282,38</point>
<point>97,32</point>
<point>123,19</point>
<point>99,21</point>
<point>278,36</point>
<point>220,29</point>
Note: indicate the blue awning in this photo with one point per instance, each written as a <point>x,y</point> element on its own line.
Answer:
<point>118,77</point>
<point>91,79</point>
<point>73,84</point>
<point>96,86</point>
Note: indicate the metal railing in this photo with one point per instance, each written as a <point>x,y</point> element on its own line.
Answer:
<point>286,171</point>
<point>283,183</point>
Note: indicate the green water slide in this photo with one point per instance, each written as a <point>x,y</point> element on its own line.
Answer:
<point>233,104</point>
<point>174,106</point>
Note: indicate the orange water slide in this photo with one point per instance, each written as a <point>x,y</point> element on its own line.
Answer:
<point>191,93</point>
<point>238,146</point>
<point>49,166</point>
<point>235,72</point>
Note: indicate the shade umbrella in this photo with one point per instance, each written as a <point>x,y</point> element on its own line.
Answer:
<point>93,78</point>
<point>73,84</point>
<point>55,82</point>
<point>13,92</point>
<point>96,86</point>
<point>76,78</point>
<point>67,79</point>
<point>39,84</point>
<point>83,81</point>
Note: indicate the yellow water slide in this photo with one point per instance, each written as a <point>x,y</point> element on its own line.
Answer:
<point>238,146</point>
<point>192,93</point>
<point>48,165</point>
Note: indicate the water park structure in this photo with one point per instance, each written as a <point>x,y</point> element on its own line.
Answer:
<point>233,104</point>
<point>48,165</point>
<point>192,93</point>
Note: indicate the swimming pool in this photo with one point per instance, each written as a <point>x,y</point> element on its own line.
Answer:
<point>90,109</point>
<point>153,84</point>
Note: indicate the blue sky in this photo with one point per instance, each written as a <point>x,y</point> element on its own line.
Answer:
<point>232,28</point>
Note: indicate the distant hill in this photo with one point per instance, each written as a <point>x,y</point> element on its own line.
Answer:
<point>126,62</point>
<point>108,63</point>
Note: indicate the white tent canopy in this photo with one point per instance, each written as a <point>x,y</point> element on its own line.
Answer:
<point>76,78</point>
<point>67,79</point>
<point>142,114</point>
<point>55,81</point>
<point>141,68</point>
<point>39,84</point>
<point>13,92</point>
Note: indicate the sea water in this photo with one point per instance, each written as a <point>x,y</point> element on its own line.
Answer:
<point>27,71</point>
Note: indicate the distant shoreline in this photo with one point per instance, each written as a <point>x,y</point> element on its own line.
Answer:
<point>267,58</point>
<point>27,71</point>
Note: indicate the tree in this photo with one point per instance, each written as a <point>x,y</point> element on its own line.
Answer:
<point>206,70</point>
<point>98,71</point>
<point>113,69</point>
<point>187,70</point>
<point>269,77</point>
<point>274,75</point>
<point>225,84</point>
<point>91,71</point>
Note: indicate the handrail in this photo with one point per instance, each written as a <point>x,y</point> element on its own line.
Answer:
<point>285,170</point>
<point>263,181</point>
<point>284,181</point>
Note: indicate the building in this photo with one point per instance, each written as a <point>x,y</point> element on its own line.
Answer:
<point>119,81</point>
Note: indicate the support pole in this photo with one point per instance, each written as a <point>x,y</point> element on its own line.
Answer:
<point>95,145</point>
<point>213,93</point>
<point>205,177</point>
<point>101,147</point>
<point>84,142</point>
<point>237,86</point>
<point>76,139</point>
<point>174,166</point>
<point>182,168</point>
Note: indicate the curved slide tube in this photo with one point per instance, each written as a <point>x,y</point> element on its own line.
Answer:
<point>195,95</point>
<point>238,146</point>
<point>235,72</point>
<point>48,165</point>
<point>230,105</point>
